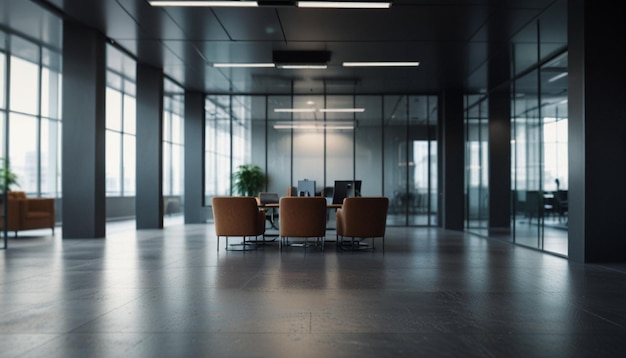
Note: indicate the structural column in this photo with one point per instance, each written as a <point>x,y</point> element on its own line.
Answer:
<point>499,149</point>
<point>453,159</point>
<point>597,131</point>
<point>149,199</point>
<point>195,210</point>
<point>83,147</point>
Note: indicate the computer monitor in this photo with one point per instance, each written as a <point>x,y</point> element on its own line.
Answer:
<point>345,189</point>
<point>306,187</point>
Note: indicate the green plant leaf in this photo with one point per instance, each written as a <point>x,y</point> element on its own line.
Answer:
<point>248,180</point>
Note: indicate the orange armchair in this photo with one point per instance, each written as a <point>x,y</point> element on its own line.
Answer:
<point>28,213</point>
<point>361,218</point>
<point>302,217</point>
<point>238,216</point>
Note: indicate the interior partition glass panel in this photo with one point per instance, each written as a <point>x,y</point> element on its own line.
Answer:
<point>340,125</point>
<point>279,144</point>
<point>526,163</point>
<point>368,152</point>
<point>217,147</point>
<point>422,133</point>
<point>477,170</point>
<point>555,178</point>
<point>308,140</point>
<point>540,158</point>
<point>396,161</point>
<point>241,129</point>
<point>258,135</point>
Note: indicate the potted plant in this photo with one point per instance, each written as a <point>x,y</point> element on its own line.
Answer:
<point>248,179</point>
<point>7,177</point>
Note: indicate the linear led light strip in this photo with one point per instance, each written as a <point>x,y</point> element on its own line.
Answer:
<point>314,125</point>
<point>205,3</point>
<point>292,67</point>
<point>269,65</point>
<point>327,110</point>
<point>303,4</point>
<point>302,67</point>
<point>345,4</point>
<point>382,64</point>
<point>244,65</point>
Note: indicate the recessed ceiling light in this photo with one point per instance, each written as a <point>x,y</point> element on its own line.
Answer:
<point>382,64</point>
<point>345,4</point>
<point>234,3</point>
<point>244,65</point>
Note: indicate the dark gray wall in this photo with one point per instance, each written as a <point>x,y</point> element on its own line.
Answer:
<point>597,128</point>
<point>83,147</point>
<point>149,199</point>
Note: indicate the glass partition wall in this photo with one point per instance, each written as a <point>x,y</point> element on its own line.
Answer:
<point>540,158</point>
<point>389,143</point>
<point>477,167</point>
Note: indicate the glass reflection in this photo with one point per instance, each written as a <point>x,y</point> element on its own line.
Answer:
<point>392,140</point>
<point>540,158</point>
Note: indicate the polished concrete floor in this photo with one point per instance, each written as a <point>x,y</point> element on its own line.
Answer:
<point>432,293</point>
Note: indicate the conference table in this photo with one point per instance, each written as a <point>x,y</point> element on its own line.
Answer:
<point>275,206</point>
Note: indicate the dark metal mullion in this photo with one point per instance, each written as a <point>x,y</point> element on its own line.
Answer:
<point>514,206</point>
<point>122,145</point>
<point>382,141</point>
<point>266,140</point>
<point>540,238</point>
<point>291,141</point>
<point>407,176</point>
<point>39,123</point>
<point>230,124</point>
<point>465,174</point>
<point>325,141</point>
<point>428,189</point>
<point>354,125</point>
<point>7,86</point>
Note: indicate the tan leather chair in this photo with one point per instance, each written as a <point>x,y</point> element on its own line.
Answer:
<point>238,216</point>
<point>302,217</point>
<point>25,213</point>
<point>360,218</point>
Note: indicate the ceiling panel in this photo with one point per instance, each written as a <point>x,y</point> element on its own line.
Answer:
<point>198,24</point>
<point>400,23</point>
<point>448,37</point>
<point>255,24</point>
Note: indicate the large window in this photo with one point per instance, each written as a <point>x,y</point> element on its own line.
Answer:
<point>120,126</point>
<point>173,144</point>
<point>31,74</point>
